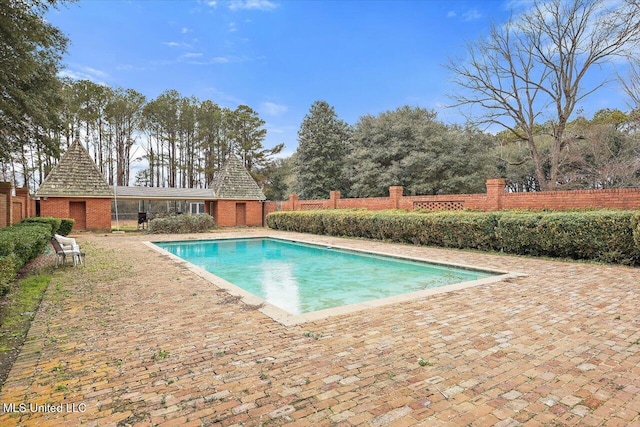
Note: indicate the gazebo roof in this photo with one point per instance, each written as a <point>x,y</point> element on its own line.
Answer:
<point>234,182</point>
<point>75,175</point>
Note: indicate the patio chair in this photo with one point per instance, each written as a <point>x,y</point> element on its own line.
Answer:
<point>65,247</point>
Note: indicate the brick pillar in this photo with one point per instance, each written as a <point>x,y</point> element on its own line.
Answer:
<point>334,196</point>
<point>5,188</point>
<point>24,193</point>
<point>495,190</point>
<point>293,201</point>
<point>395,195</point>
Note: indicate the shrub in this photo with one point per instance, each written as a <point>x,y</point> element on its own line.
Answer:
<point>597,235</point>
<point>8,270</point>
<point>19,244</point>
<point>608,236</point>
<point>635,223</point>
<point>182,224</point>
<point>26,240</point>
<point>66,225</point>
<point>54,223</point>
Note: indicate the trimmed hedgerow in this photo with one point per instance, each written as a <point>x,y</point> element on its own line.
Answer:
<point>19,244</point>
<point>7,272</point>
<point>606,236</point>
<point>27,240</point>
<point>597,235</point>
<point>635,223</point>
<point>182,224</point>
<point>455,230</point>
<point>53,223</point>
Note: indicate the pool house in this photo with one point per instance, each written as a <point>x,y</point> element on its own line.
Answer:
<point>75,188</point>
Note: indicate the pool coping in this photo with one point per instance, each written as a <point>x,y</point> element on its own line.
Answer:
<point>287,319</point>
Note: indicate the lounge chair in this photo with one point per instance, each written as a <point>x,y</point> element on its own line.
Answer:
<point>67,247</point>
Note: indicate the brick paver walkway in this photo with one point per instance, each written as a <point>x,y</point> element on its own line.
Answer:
<point>137,339</point>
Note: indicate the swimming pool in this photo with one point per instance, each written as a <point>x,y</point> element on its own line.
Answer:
<point>301,278</point>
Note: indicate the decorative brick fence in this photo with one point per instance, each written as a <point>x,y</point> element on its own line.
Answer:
<point>494,199</point>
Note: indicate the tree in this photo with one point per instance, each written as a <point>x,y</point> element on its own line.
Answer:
<point>278,178</point>
<point>247,134</point>
<point>213,122</point>
<point>535,67</point>
<point>411,148</point>
<point>30,54</point>
<point>322,149</point>
<point>124,115</point>
<point>608,154</point>
<point>161,122</point>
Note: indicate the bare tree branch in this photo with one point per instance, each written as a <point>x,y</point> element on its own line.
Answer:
<point>535,66</point>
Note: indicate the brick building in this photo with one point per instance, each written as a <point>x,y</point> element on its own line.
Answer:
<point>233,198</point>
<point>76,189</point>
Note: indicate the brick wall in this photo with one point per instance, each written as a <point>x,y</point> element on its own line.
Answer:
<point>96,213</point>
<point>494,199</point>
<point>3,211</point>
<point>14,207</point>
<point>6,211</point>
<point>225,213</point>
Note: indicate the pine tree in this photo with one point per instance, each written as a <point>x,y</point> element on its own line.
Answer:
<point>322,147</point>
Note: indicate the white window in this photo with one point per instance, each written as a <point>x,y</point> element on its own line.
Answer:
<point>196,208</point>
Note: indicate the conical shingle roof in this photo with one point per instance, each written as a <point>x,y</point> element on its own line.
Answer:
<point>75,175</point>
<point>234,182</point>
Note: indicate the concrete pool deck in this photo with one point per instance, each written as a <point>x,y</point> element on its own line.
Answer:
<point>135,338</point>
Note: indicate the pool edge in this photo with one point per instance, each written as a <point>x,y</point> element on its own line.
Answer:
<point>287,319</point>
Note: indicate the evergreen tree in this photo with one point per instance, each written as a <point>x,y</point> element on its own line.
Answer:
<point>322,148</point>
<point>30,53</point>
<point>411,148</point>
<point>247,133</point>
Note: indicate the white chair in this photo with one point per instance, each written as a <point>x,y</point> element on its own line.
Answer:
<point>67,246</point>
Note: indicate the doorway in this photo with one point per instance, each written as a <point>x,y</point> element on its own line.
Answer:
<point>78,211</point>
<point>241,214</point>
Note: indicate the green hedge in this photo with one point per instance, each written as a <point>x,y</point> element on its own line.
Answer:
<point>54,223</point>
<point>19,244</point>
<point>62,226</point>
<point>7,272</point>
<point>66,225</point>
<point>182,224</point>
<point>608,236</point>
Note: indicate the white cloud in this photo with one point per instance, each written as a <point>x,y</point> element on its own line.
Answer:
<point>85,73</point>
<point>471,15</point>
<point>186,30</point>
<point>232,27</point>
<point>273,109</point>
<point>452,14</point>
<point>129,67</point>
<point>192,55</point>
<point>252,5</point>
<point>220,60</point>
<point>517,5</point>
<point>182,46</point>
<point>94,72</point>
<point>224,99</point>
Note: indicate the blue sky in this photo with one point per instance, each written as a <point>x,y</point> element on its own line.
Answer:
<point>278,57</point>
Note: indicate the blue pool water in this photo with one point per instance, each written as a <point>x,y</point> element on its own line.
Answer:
<point>301,278</point>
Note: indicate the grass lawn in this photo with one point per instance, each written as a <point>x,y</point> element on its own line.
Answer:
<point>17,309</point>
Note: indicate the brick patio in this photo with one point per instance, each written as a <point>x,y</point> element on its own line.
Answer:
<point>137,339</point>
